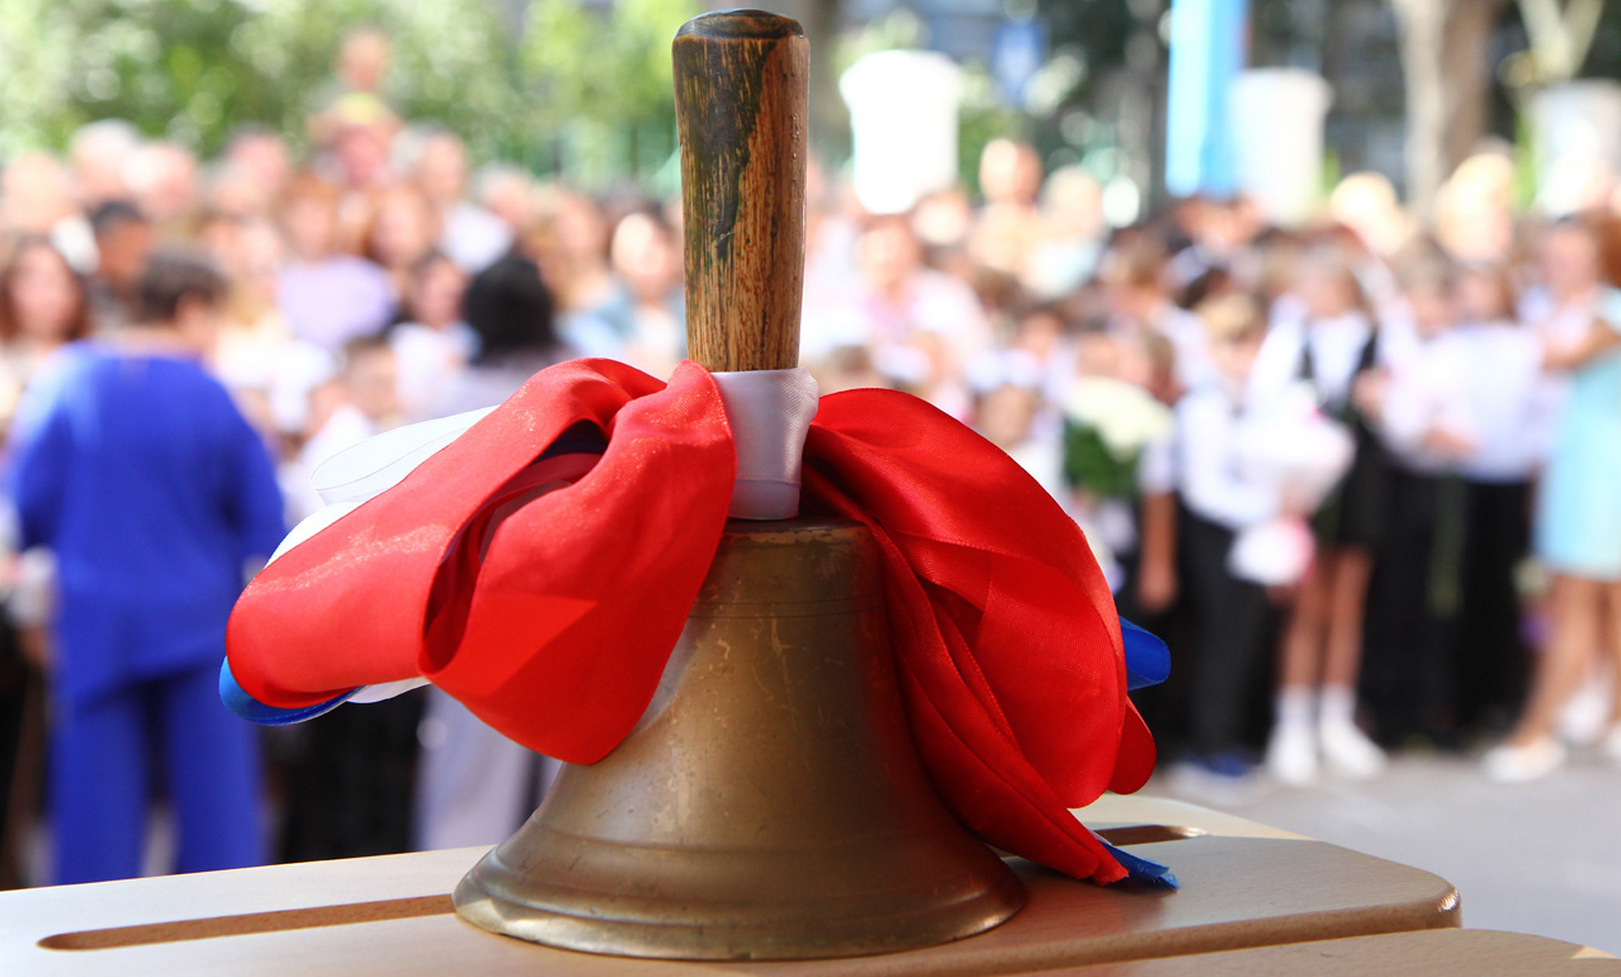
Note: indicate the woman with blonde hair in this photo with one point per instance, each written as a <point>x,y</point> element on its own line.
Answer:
<point>1577,526</point>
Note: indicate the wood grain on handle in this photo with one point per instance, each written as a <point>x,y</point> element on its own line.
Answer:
<point>741,105</point>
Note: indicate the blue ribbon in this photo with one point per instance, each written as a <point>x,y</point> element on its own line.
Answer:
<point>1141,870</point>
<point>238,701</point>
<point>1148,661</point>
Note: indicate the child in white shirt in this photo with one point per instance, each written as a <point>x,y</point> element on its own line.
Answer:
<point>1506,396</point>
<point>1418,407</point>
<point>1232,617</point>
<point>1330,341</point>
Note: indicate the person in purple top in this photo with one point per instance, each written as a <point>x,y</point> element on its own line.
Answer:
<point>326,296</point>
<point>134,466</point>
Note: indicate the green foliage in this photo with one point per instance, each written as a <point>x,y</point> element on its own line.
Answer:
<point>192,70</point>
<point>1333,169</point>
<point>1090,467</point>
<point>614,67</point>
<point>453,62</point>
<point>1525,160</point>
<point>902,29</point>
<point>1093,35</point>
<point>581,91</point>
<point>981,119</point>
<point>37,57</point>
<point>602,84</point>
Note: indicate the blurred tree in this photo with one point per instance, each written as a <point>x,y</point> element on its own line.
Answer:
<point>1604,56</point>
<point>1560,36</point>
<point>192,70</point>
<point>982,118</point>
<point>602,85</point>
<point>1099,99</point>
<point>36,55</point>
<point>821,19</point>
<point>1446,57</point>
<point>1096,35</point>
<point>454,62</point>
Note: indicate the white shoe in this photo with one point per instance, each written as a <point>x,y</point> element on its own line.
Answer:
<point>1291,754</point>
<point>1611,745</point>
<point>1349,752</point>
<point>1522,764</point>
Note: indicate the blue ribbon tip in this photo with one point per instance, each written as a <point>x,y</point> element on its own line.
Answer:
<point>1143,872</point>
<point>1148,660</point>
<point>238,701</point>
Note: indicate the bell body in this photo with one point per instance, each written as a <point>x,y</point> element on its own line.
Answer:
<point>770,803</point>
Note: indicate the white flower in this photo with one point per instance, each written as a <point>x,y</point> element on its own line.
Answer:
<point>1125,416</point>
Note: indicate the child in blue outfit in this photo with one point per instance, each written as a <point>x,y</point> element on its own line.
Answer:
<point>134,466</point>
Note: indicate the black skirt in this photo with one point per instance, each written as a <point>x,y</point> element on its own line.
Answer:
<point>1356,511</point>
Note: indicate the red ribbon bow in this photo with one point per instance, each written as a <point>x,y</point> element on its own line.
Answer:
<point>552,616</point>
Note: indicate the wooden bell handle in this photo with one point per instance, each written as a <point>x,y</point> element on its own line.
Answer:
<point>741,107</point>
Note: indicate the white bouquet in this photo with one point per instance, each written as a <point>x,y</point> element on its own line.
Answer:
<point>1107,424</point>
<point>1303,453</point>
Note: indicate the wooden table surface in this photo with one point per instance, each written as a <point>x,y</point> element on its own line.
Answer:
<point>1430,953</point>
<point>1243,885</point>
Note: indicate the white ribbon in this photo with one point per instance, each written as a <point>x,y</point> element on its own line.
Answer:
<point>356,475</point>
<point>769,411</point>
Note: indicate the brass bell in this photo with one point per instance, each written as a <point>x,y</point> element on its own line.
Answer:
<point>770,804</point>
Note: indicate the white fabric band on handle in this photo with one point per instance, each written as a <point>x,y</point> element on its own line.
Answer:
<point>770,412</point>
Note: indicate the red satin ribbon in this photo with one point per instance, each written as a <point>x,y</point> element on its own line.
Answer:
<point>1006,636</point>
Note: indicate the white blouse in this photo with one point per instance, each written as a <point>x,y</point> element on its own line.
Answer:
<point>1209,436</point>
<point>1427,393</point>
<point>1510,403</point>
<point>1336,350</point>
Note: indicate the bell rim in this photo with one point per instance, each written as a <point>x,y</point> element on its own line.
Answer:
<point>860,934</point>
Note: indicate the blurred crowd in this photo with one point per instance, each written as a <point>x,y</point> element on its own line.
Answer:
<point>1361,476</point>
